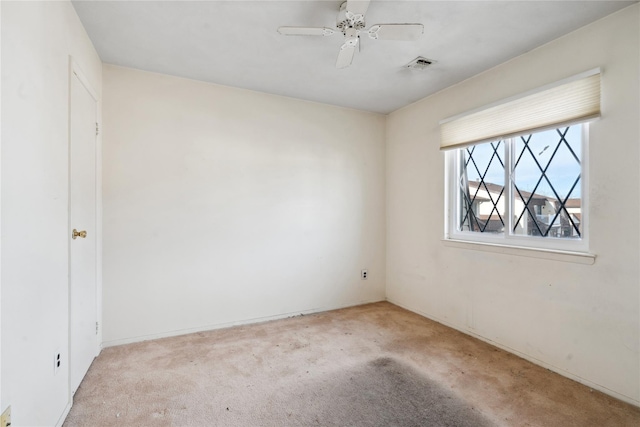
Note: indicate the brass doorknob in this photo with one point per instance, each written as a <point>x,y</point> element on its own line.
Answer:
<point>77,234</point>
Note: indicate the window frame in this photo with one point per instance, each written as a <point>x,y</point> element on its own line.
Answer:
<point>452,203</point>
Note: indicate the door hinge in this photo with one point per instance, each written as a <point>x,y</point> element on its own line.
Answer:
<point>97,327</point>
<point>97,129</point>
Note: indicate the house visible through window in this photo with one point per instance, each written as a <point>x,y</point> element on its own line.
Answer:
<point>526,186</point>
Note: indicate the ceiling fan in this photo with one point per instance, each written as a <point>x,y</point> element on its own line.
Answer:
<point>351,22</point>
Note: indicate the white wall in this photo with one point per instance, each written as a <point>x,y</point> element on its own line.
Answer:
<point>37,39</point>
<point>223,206</point>
<point>1,401</point>
<point>580,320</point>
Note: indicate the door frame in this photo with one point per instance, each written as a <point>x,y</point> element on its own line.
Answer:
<point>76,71</point>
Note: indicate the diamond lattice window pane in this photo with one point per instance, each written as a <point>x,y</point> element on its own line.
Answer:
<point>547,184</point>
<point>481,188</point>
<point>563,171</point>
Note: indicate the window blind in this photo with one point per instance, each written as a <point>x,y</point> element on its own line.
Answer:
<point>566,103</point>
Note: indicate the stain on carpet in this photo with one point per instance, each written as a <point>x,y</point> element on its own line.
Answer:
<point>383,392</point>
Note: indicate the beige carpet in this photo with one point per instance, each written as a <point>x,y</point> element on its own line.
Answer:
<point>373,365</point>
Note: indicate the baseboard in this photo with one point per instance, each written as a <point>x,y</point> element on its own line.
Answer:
<point>64,414</point>
<point>525,356</point>
<point>223,325</point>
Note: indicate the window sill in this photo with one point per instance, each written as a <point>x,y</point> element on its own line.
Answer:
<point>555,255</point>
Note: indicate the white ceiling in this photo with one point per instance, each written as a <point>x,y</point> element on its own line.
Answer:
<point>235,43</point>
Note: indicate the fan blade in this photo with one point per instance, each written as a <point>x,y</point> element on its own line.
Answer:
<point>396,31</point>
<point>305,31</point>
<point>357,7</point>
<point>345,57</point>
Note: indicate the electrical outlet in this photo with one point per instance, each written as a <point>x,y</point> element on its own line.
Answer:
<point>5,418</point>
<point>57,362</point>
<point>364,274</point>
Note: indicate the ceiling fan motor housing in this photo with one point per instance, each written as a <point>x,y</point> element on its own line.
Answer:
<point>348,20</point>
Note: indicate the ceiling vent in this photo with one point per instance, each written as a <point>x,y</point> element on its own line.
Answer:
<point>420,63</point>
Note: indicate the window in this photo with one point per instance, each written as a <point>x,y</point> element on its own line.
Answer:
<point>516,170</point>
<point>525,191</point>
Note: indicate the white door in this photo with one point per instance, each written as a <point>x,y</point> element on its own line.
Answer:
<point>82,287</point>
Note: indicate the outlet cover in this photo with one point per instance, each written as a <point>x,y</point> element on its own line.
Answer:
<point>5,418</point>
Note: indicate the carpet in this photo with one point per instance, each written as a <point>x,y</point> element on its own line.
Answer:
<point>371,365</point>
<point>383,392</point>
